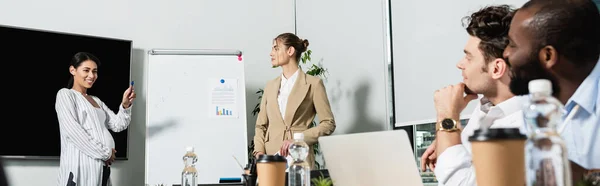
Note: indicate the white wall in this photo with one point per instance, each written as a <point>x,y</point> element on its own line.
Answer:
<point>249,26</point>
<point>350,37</point>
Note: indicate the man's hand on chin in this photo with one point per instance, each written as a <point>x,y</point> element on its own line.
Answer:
<point>449,102</point>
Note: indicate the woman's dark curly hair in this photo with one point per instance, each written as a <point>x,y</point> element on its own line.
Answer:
<point>491,25</point>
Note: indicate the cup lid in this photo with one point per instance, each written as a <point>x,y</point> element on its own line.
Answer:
<point>270,158</point>
<point>497,134</point>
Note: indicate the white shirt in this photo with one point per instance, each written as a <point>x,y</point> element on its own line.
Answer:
<point>284,91</point>
<point>282,98</point>
<point>454,164</point>
<point>108,139</point>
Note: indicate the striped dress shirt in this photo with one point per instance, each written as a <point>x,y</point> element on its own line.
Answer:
<point>82,139</point>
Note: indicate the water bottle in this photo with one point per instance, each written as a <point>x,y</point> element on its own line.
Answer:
<point>546,159</point>
<point>299,170</point>
<point>189,176</point>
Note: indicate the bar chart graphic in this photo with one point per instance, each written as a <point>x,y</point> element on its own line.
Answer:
<point>223,111</point>
<point>222,95</point>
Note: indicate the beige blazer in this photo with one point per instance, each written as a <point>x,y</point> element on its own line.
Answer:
<point>307,99</point>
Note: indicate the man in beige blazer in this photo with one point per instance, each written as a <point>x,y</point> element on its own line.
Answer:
<point>307,98</point>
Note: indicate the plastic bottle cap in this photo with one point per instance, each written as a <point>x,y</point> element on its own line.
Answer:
<point>299,136</point>
<point>540,86</point>
<point>189,149</point>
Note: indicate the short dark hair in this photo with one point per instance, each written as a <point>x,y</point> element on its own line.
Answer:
<point>572,27</point>
<point>491,25</point>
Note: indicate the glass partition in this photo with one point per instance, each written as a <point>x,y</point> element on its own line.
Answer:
<point>423,136</point>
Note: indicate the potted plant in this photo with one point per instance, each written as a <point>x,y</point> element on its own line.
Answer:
<point>322,181</point>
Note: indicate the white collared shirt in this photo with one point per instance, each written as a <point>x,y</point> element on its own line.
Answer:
<point>454,164</point>
<point>284,91</point>
<point>282,98</point>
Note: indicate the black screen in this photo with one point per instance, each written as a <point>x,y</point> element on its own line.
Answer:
<point>35,65</point>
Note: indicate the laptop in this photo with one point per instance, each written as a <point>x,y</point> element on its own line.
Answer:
<point>372,158</point>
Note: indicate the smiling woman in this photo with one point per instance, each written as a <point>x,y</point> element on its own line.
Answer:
<point>87,147</point>
<point>50,73</point>
<point>91,65</point>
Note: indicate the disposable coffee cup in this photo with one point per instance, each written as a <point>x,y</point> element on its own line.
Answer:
<point>499,156</point>
<point>271,170</point>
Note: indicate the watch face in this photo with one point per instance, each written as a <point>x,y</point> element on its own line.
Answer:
<point>447,124</point>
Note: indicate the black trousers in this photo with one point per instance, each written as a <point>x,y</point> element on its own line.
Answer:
<point>105,175</point>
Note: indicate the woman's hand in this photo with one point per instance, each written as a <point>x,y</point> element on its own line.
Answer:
<point>112,158</point>
<point>284,151</point>
<point>258,154</point>
<point>128,97</point>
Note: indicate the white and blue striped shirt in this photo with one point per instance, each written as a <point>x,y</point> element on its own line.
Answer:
<point>83,141</point>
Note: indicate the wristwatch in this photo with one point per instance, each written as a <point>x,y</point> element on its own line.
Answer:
<point>448,125</point>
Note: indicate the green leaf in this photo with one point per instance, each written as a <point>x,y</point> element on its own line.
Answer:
<point>322,181</point>
<point>584,182</point>
<point>250,151</point>
<point>311,72</point>
<point>256,110</point>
